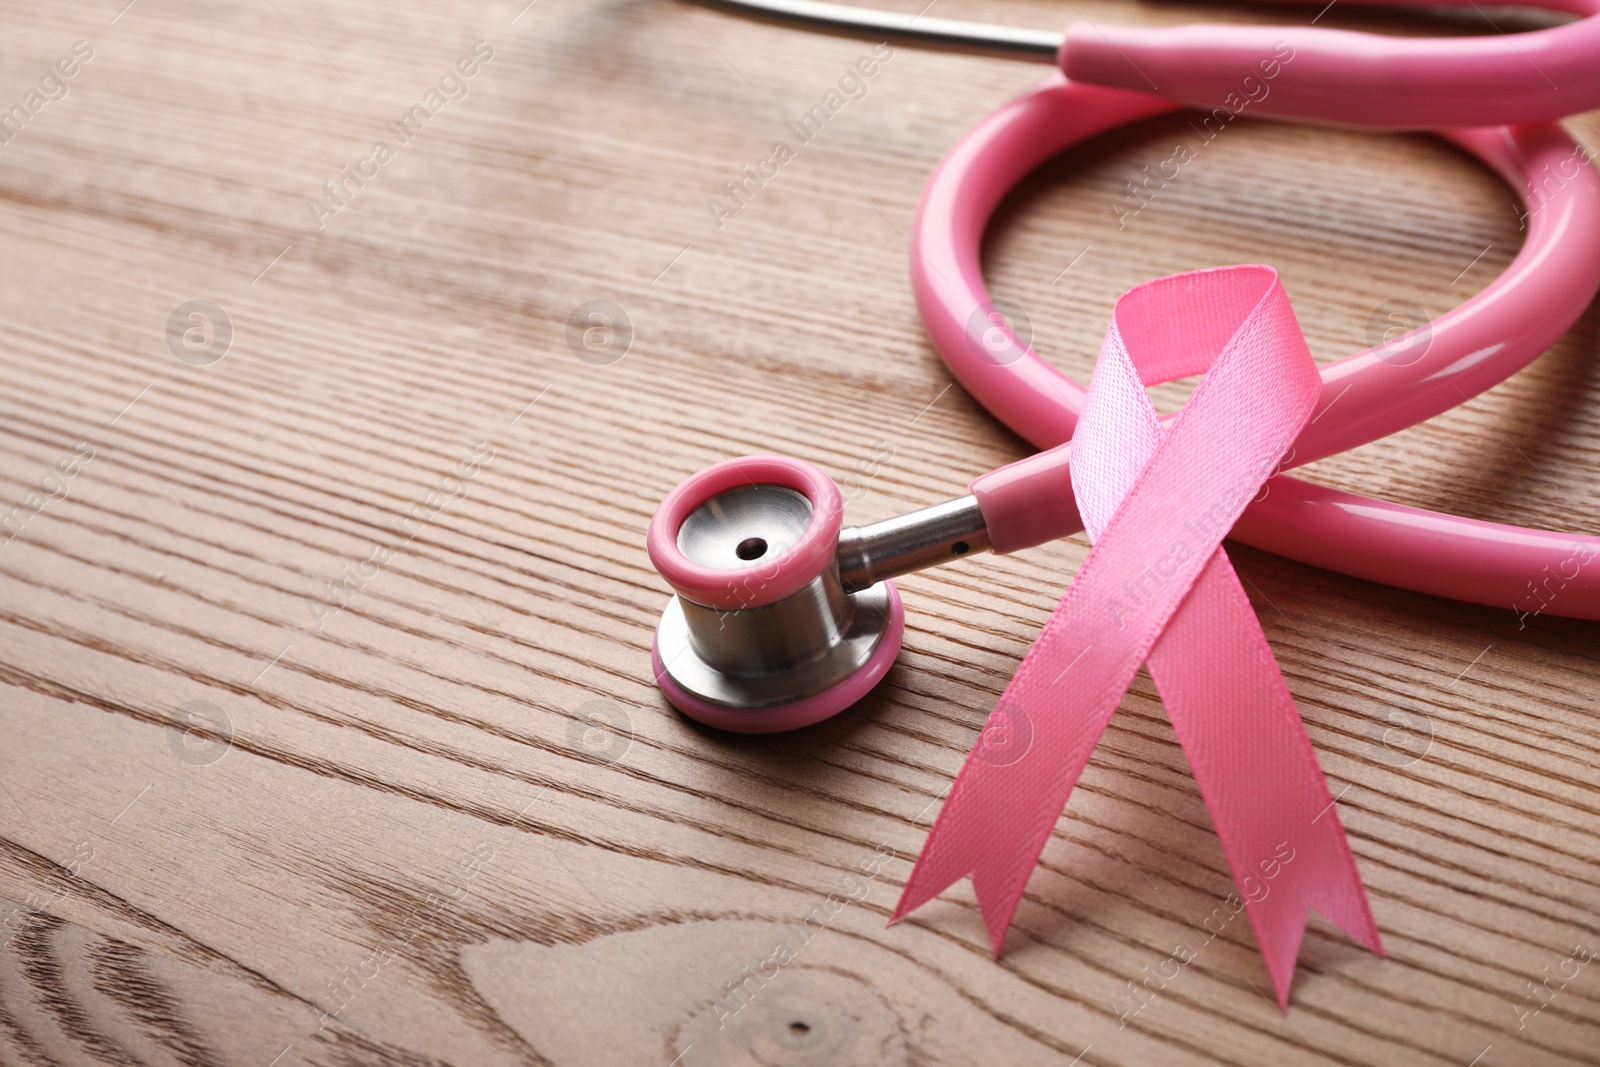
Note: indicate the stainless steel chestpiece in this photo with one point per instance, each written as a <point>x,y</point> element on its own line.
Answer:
<point>729,645</point>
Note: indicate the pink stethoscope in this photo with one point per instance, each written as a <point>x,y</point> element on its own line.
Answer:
<point>783,617</point>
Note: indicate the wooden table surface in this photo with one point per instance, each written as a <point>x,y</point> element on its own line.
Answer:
<point>328,733</point>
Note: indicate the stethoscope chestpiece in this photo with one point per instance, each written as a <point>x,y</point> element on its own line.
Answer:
<point>762,634</point>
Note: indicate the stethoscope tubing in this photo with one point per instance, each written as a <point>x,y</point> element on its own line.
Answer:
<point>1367,80</point>
<point>1498,331</point>
<point>1335,77</point>
<point>1471,88</point>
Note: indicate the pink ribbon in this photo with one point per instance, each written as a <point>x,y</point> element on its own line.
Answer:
<point>1157,588</point>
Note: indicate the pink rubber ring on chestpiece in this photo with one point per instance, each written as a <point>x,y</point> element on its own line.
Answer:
<point>1470,349</point>
<point>807,711</point>
<point>770,580</point>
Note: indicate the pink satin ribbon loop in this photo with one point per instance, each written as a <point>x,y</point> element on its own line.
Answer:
<point>1158,588</point>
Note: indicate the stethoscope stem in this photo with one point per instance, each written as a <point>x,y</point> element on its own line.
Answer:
<point>952,529</point>
<point>951,35</point>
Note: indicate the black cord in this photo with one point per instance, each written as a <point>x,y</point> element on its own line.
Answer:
<point>981,38</point>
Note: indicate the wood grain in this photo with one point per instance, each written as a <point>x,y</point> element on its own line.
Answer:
<point>319,749</point>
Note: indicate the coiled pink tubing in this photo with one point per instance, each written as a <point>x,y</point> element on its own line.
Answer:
<point>1343,78</point>
<point>1473,347</point>
<point>1492,335</point>
<point>1471,85</point>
